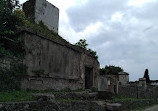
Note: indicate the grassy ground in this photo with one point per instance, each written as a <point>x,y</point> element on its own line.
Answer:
<point>16,96</point>
<point>24,95</point>
<point>119,98</point>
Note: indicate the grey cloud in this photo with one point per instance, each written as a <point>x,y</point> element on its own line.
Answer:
<point>130,43</point>
<point>93,11</point>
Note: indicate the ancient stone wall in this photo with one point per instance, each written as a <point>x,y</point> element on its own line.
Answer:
<point>54,65</point>
<point>51,106</point>
<point>133,91</point>
<point>127,91</point>
<point>123,79</point>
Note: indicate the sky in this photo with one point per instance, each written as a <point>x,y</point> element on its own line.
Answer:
<point>122,32</point>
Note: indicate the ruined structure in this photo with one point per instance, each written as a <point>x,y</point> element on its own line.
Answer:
<point>56,64</point>
<point>120,85</point>
<point>114,81</point>
<point>41,10</point>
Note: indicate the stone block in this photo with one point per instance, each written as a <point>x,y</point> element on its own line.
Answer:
<point>113,106</point>
<point>102,84</point>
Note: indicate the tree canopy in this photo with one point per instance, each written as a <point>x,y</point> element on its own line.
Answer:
<point>111,69</point>
<point>8,20</point>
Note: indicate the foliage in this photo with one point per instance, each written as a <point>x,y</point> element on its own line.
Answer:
<point>10,78</point>
<point>8,20</point>
<point>82,43</point>
<point>11,46</point>
<point>94,89</point>
<point>146,75</point>
<point>111,69</point>
<point>16,96</point>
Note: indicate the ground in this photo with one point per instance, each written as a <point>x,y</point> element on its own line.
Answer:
<point>151,108</point>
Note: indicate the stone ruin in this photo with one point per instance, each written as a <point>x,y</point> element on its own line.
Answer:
<point>41,10</point>
<point>52,62</point>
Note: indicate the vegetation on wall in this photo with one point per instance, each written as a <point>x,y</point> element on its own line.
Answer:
<point>82,43</point>
<point>111,69</point>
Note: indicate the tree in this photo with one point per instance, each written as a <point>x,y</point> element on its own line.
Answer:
<point>111,69</point>
<point>8,20</point>
<point>146,75</point>
<point>82,43</point>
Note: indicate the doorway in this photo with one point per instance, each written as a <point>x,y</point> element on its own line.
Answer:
<point>88,77</point>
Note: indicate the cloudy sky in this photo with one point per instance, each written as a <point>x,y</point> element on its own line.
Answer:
<point>123,32</point>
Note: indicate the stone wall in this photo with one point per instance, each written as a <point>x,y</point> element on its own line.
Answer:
<point>123,79</point>
<point>50,106</point>
<point>127,91</point>
<point>148,92</point>
<point>56,65</point>
<point>41,10</point>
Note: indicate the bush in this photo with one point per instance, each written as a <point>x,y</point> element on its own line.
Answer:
<point>110,70</point>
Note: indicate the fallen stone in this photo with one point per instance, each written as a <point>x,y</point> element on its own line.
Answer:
<point>113,106</point>
<point>93,95</point>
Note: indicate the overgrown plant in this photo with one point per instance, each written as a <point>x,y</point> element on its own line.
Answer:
<point>82,43</point>
<point>111,69</point>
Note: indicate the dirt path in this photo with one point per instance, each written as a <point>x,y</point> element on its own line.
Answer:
<point>153,108</point>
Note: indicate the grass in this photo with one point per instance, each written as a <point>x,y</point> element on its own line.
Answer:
<point>16,96</point>
<point>67,100</point>
<point>41,29</point>
<point>25,95</point>
<point>120,98</point>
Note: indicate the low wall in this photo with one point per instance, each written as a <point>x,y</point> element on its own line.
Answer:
<point>134,91</point>
<point>127,91</point>
<point>48,106</point>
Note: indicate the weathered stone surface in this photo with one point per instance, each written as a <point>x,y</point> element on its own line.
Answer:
<point>45,97</point>
<point>49,106</point>
<point>72,95</point>
<point>82,106</point>
<point>41,10</point>
<point>102,84</point>
<point>113,106</point>
<point>54,65</point>
<point>93,95</point>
